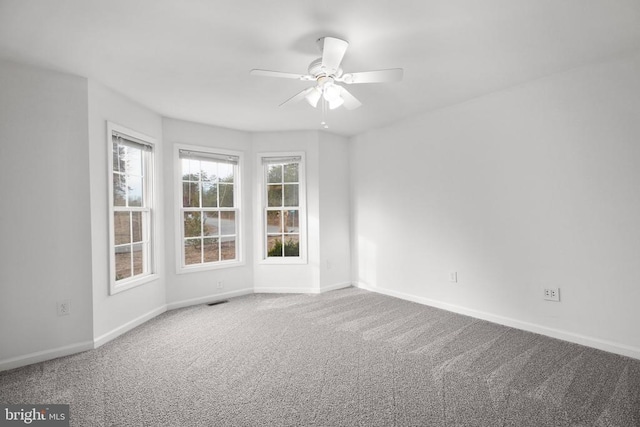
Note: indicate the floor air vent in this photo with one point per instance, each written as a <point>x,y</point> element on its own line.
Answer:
<point>218,302</point>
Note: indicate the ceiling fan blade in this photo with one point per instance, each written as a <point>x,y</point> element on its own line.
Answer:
<point>269,73</point>
<point>350,101</point>
<point>332,53</point>
<point>379,76</point>
<point>297,97</point>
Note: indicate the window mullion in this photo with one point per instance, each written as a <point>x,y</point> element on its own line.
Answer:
<point>131,241</point>
<point>217,184</point>
<point>130,209</point>
<point>146,216</point>
<point>146,232</point>
<point>201,234</point>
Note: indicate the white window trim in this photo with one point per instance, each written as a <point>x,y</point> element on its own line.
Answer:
<point>150,179</point>
<point>179,247</point>
<point>261,206</point>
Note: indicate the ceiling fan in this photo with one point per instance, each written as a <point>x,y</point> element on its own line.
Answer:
<point>326,72</point>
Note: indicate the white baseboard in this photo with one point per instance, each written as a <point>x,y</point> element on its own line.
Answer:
<point>115,333</point>
<point>597,343</point>
<point>292,290</point>
<point>284,290</point>
<point>334,287</point>
<point>41,356</point>
<point>208,298</point>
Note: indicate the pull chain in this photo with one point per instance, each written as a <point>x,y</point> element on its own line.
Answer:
<point>323,123</point>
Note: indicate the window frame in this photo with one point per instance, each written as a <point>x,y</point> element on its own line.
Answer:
<point>262,172</point>
<point>181,267</point>
<point>149,206</point>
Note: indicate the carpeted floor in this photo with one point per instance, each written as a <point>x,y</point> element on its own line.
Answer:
<point>344,358</point>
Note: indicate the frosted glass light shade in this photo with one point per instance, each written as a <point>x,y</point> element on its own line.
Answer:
<point>313,97</point>
<point>331,92</point>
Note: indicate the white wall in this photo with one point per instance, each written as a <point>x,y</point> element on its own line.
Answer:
<point>335,261</point>
<point>115,313</point>
<point>45,215</point>
<point>189,288</point>
<point>526,188</point>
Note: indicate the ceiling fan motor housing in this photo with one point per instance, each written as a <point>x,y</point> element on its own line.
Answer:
<point>317,70</point>
<point>324,80</point>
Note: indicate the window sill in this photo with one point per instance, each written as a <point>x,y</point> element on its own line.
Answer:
<point>283,261</point>
<point>133,283</point>
<point>216,266</point>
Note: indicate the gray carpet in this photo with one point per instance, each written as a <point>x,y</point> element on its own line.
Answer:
<point>344,358</point>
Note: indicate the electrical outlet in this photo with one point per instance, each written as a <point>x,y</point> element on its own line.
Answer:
<point>220,284</point>
<point>453,277</point>
<point>64,307</point>
<point>552,294</point>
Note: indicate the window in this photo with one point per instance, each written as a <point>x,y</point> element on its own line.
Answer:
<point>209,213</point>
<point>283,205</point>
<point>130,203</point>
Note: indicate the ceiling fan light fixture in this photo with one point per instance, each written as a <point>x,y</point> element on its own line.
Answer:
<point>331,92</point>
<point>313,97</point>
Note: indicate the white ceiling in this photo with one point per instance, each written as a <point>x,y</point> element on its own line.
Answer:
<point>190,59</point>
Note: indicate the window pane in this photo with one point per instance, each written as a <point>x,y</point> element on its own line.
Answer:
<point>190,195</point>
<point>123,159</point>
<point>291,195</point>
<point>184,163</point>
<point>134,161</point>
<point>209,194</point>
<point>192,224</point>
<point>211,251</point>
<point>291,172</point>
<point>136,226</point>
<point>190,170</point>
<point>274,246</point>
<point>291,245</point>
<point>137,259</point>
<point>274,222</point>
<point>121,228</point>
<point>226,195</point>
<point>134,185</point>
<point>274,196</point>
<point>228,248</point>
<point>209,171</point>
<point>225,171</point>
<point>123,262</point>
<point>228,223</point>
<point>291,221</point>
<point>119,190</point>
<point>211,227</point>
<point>192,251</point>
<point>274,173</point>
